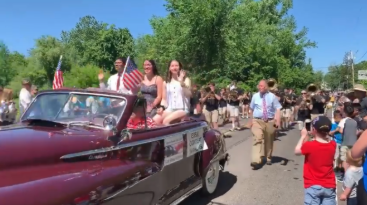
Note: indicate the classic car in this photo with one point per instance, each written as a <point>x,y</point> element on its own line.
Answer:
<point>73,147</point>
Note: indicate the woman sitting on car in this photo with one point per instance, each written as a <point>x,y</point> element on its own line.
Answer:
<point>176,94</point>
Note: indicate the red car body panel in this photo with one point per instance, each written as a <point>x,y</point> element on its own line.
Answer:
<point>72,165</point>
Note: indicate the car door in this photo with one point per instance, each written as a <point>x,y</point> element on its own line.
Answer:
<point>139,185</point>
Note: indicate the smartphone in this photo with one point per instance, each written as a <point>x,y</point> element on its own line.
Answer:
<point>308,126</point>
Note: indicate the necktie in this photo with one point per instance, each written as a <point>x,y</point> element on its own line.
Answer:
<point>265,112</point>
<point>118,82</point>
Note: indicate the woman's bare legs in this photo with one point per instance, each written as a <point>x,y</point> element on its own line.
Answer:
<point>243,111</point>
<point>158,119</point>
<point>175,115</point>
<point>246,110</point>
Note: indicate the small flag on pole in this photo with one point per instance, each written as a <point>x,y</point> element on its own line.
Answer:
<point>58,78</point>
<point>132,76</point>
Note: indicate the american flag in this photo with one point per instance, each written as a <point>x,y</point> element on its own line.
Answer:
<point>132,76</point>
<point>58,79</point>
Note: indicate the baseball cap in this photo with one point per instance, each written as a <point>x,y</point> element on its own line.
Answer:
<point>322,124</point>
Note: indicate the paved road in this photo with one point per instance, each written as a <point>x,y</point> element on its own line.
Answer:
<point>271,185</point>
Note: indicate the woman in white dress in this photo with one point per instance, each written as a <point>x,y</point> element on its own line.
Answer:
<point>176,93</point>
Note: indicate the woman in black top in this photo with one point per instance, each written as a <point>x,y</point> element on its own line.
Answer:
<point>234,103</point>
<point>223,105</point>
<point>303,114</point>
<point>245,99</point>
<point>195,107</point>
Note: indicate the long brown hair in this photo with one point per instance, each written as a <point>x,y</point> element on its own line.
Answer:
<point>154,67</point>
<point>169,74</point>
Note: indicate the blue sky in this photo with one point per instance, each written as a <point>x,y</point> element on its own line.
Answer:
<point>336,25</point>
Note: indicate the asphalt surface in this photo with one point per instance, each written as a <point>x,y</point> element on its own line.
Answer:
<point>274,184</point>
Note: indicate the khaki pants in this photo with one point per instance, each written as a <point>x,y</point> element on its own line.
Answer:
<point>286,112</point>
<point>343,152</point>
<point>222,110</point>
<point>234,111</point>
<point>211,116</point>
<point>263,140</point>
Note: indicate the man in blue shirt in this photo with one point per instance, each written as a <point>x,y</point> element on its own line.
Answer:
<point>265,109</point>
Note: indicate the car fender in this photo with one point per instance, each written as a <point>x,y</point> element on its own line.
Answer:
<point>207,156</point>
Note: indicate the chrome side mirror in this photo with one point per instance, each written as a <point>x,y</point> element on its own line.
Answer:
<point>109,123</point>
<point>125,135</point>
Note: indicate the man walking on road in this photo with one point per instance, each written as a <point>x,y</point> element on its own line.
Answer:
<point>265,109</point>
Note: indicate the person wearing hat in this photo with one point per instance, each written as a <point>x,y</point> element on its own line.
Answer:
<point>318,175</point>
<point>25,97</point>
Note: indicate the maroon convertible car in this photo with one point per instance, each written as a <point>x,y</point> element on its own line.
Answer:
<point>72,147</point>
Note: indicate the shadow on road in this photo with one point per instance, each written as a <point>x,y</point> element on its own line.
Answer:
<point>281,160</point>
<point>226,182</point>
<point>281,134</point>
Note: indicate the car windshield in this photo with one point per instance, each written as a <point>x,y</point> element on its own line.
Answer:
<point>72,107</point>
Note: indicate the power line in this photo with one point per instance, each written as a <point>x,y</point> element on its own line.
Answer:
<point>362,56</point>
<point>358,61</point>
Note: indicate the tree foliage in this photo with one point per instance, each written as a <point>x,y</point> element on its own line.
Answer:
<point>340,76</point>
<point>97,43</point>
<point>216,40</point>
<point>86,49</point>
<point>5,70</point>
<point>231,40</point>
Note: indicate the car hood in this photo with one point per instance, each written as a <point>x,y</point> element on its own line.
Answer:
<point>22,145</point>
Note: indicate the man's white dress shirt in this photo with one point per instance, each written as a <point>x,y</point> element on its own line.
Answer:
<point>112,84</point>
<point>25,98</point>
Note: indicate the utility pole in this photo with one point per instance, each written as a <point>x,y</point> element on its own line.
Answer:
<point>349,62</point>
<point>352,64</point>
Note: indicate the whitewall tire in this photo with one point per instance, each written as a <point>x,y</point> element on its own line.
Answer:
<point>211,178</point>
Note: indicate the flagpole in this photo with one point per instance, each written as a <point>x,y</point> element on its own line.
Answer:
<point>127,61</point>
<point>56,71</point>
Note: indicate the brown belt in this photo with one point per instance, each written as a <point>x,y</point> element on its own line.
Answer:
<point>269,119</point>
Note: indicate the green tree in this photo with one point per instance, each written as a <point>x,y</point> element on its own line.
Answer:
<point>17,61</point>
<point>5,69</point>
<point>97,43</point>
<point>82,76</point>
<point>340,76</point>
<point>45,56</point>
<point>232,40</point>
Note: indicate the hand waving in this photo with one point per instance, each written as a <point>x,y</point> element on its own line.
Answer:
<point>100,76</point>
<point>182,75</point>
